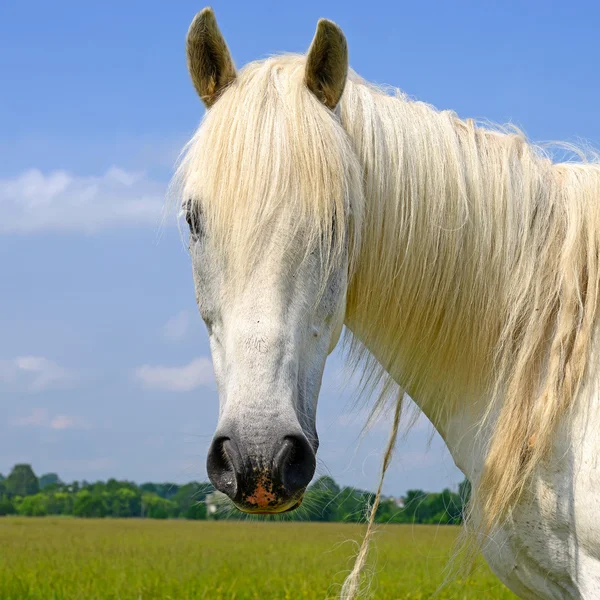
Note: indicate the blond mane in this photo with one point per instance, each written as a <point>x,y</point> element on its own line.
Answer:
<point>475,257</point>
<point>267,151</point>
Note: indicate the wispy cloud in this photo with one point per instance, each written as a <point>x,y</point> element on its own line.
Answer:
<point>33,201</point>
<point>34,373</point>
<point>199,372</point>
<point>68,422</point>
<point>39,417</point>
<point>178,326</point>
<point>36,418</point>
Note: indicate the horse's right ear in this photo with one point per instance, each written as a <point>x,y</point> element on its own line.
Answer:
<point>327,63</point>
<point>208,59</point>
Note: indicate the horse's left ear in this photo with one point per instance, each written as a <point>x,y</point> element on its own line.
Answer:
<point>327,63</point>
<point>208,58</point>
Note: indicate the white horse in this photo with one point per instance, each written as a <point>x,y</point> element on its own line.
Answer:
<point>464,263</point>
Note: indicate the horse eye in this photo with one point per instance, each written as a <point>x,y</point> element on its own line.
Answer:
<point>193,215</point>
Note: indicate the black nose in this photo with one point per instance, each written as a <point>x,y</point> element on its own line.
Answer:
<point>269,479</point>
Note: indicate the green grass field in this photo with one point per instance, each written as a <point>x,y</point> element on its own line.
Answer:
<point>65,558</point>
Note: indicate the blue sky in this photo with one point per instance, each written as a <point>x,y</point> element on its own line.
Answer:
<point>104,363</point>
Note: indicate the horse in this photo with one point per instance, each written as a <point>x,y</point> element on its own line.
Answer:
<point>462,260</point>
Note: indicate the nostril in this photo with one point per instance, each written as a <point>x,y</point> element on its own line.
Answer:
<point>296,462</point>
<point>220,465</point>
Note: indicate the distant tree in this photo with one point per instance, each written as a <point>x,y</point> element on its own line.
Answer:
<point>165,490</point>
<point>2,478</point>
<point>189,495</point>
<point>413,505</point>
<point>59,502</point>
<point>124,502</point>
<point>89,505</point>
<point>22,481</point>
<point>326,484</point>
<point>49,479</point>
<point>196,511</point>
<point>6,507</point>
<point>321,500</point>
<point>155,507</point>
<point>112,485</point>
<point>442,508</point>
<point>352,505</point>
<point>34,506</point>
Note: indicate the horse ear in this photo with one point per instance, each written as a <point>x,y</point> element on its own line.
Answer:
<point>208,59</point>
<point>327,63</point>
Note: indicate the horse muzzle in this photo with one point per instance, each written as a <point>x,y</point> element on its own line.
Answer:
<point>261,478</point>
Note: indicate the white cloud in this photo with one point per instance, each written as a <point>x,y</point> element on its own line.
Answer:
<point>34,201</point>
<point>35,373</point>
<point>188,377</point>
<point>39,418</point>
<point>67,422</point>
<point>177,327</point>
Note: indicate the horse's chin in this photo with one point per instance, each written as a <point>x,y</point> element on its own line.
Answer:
<point>279,510</point>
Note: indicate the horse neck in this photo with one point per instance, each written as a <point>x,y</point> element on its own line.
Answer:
<point>412,301</point>
<point>472,245</point>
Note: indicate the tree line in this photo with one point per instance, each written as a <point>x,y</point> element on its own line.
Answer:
<point>23,493</point>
